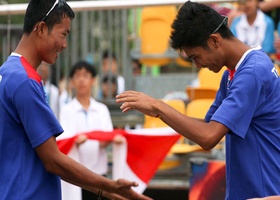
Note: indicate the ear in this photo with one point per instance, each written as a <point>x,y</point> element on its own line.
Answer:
<point>40,27</point>
<point>214,40</point>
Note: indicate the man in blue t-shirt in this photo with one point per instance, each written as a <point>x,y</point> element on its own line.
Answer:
<point>246,109</point>
<point>30,162</point>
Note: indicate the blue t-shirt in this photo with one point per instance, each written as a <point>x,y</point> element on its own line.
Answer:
<point>249,105</point>
<point>26,121</point>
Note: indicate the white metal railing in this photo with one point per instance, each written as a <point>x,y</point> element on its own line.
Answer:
<point>15,9</point>
<point>98,25</point>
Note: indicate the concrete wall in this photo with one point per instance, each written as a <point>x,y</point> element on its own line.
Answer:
<point>159,86</point>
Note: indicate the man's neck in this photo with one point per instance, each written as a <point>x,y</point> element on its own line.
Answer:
<point>251,19</point>
<point>84,101</point>
<point>29,53</point>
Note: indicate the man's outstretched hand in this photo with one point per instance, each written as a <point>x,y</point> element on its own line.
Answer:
<point>132,100</point>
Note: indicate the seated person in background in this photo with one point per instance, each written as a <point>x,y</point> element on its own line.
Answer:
<point>109,86</point>
<point>136,67</point>
<point>52,92</point>
<point>110,65</point>
<point>254,27</point>
<point>84,114</point>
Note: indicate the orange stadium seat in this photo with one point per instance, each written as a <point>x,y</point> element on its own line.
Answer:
<point>198,108</point>
<point>155,30</point>
<point>153,122</point>
<point>182,146</point>
<point>200,93</point>
<point>209,79</point>
<point>209,83</point>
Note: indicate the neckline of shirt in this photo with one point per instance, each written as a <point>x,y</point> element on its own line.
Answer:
<point>258,47</point>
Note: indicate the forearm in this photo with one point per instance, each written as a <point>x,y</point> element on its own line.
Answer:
<point>267,6</point>
<point>267,198</point>
<point>75,173</point>
<point>207,135</point>
<point>71,171</point>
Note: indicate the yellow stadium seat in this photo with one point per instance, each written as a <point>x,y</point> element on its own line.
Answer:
<point>209,83</point>
<point>209,79</point>
<point>182,146</point>
<point>200,93</point>
<point>153,122</point>
<point>154,34</point>
<point>198,108</point>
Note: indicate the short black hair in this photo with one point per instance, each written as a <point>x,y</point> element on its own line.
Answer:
<point>110,78</point>
<point>83,65</point>
<point>37,10</point>
<point>109,54</point>
<point>194,23</point>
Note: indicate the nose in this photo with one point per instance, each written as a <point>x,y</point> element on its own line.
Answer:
<point>64,45</point>
<point>197,64</point>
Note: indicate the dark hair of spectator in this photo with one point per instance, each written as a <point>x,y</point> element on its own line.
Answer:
<point>83,65</point>
<point>109,54</point>
<point>109,78</point>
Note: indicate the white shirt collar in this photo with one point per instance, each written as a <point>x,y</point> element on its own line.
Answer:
<point>258,23</point>
<point>15,54</point>
<point>77,105</point>
<point>245,54</point>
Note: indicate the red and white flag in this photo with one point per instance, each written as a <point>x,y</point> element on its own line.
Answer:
<point>139,157</point>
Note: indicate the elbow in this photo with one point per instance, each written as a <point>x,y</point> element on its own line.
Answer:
<point>210,138</point>
<point>50,168</point>
<point>206,147</point>
<point>207,144</point>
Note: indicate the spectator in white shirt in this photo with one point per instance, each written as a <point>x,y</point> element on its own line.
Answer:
<point>83,114</point>
<point>254,27</point>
